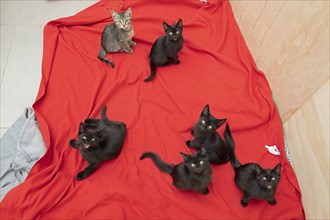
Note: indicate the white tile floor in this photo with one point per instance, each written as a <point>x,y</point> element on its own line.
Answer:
<point>22,24</point>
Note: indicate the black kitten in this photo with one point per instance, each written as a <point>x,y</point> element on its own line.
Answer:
<point>194,173</point>
<point>165,49</point>
<point>206,135</point>
<point>98,140</point>
<point>251,178</point>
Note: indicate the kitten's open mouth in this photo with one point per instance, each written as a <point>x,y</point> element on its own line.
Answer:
<point>87,146</point>
<point>269,187</point>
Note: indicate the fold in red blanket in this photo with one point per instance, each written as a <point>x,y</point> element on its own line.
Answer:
<point>216,69</point>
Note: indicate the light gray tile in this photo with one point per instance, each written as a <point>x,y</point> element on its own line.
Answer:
<point>81,5</point>
<point>3,131</point>
<point>23,73</point>
<point>10,11</point>
<point>7,34</point>
<point>41,12</point>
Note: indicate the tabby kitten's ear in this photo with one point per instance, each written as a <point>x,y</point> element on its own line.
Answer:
<point>128,12</point>
<point>277,169</point>
<point>219,122</point>
<point>179,24</point>
<point>166,26</point>
<point>186,157</point>
<point>114,15</point>
<point>206,111</point>
<point>258,170</point>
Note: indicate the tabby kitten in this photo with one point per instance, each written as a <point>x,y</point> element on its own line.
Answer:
<point>194,173</point>
<point>254,181</point>
<point>206,135</point>
<point>165,49</point>
<point>98,140</point>
<point>117,36</point>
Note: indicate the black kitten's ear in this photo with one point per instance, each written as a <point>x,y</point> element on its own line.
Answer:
<point>100,134</point>
<point>81,128</point>
<point>202,152</point>
<point>185,157</point>
<point>166,26</point>
<point>179,24</point>
<point>277,169</point>
<point>206,111</point>
<point>219,122</point>
<point>258,170</point>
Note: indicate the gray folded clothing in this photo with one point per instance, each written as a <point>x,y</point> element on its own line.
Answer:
<point>21,147</point>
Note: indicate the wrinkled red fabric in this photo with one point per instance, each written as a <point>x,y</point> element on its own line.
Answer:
<point>216,69</point>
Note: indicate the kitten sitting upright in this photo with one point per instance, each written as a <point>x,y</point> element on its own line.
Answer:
<point>98,140</point>
<point>194,173</point>
<point>117,36</point>
<point>254,181</point>
<point>165,49</point>
<point>206,135</point>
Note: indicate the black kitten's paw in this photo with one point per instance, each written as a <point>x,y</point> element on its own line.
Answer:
<point>207,191</point>
<point>81,175</point>
<point>177,62</point>
<point>244,203</point>
<point>272,202</point>
<point>188,143</point>
<point>73,143</point>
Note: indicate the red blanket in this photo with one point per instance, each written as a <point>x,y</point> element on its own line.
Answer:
<point>216,69</point>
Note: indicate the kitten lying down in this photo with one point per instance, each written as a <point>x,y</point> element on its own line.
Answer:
<point>98,140</point>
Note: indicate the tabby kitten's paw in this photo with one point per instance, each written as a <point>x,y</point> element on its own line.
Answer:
<point>272,202</point>
<point>132,43</point>
<point>130,50</point>
<point>81,175</point>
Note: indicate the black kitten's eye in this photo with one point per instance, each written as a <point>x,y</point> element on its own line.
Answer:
<point>201,162</point>
<point>170,33</point>
<point>264,178</point>
<point>209,127</point>
<point>177,32</point>
<point>273,178</point>
<point>203,122</point>
<point>84,137</point>
<point>192,165</point>
<point>93,139</point>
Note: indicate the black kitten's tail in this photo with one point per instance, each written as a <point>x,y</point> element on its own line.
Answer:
<point>231,147</point>
<point>153,71</point>
<point>104,113</point>
<point>102,57</point>
<point>167,168</point>
<point>106,119</point>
